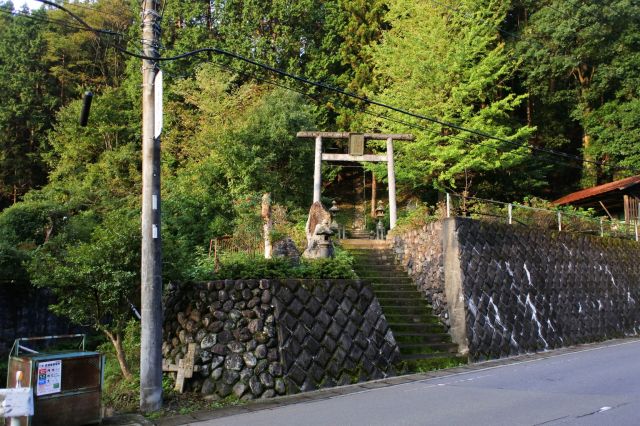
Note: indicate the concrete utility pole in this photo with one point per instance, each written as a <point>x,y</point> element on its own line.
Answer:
<point>151,268</point>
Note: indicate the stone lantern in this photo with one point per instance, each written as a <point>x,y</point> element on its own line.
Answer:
<point>380,225</point>
<point>323,234</point>
<point>335,227</point>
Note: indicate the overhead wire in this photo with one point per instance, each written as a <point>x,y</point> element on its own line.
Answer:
<point>58,22</point>
<point>386,116</point>
<point>340,91</point>
<point>84,6</point>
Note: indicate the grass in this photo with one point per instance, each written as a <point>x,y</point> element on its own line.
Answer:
<point>181,404</point>
<point>432,364</point>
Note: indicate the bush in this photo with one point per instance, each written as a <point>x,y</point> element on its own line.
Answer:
<point>118,393</point>
<point>242,266</point>
<point>414,217</point>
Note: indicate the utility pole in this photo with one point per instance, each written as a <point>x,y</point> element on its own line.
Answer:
<point>151,267</point>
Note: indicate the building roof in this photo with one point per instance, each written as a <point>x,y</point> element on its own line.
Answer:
<point>618,185</point>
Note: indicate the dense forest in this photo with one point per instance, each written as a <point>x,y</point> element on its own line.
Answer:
<point>542,77</point>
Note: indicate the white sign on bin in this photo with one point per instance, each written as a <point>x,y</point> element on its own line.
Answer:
<point>49,377</point>
<point>16,402</point>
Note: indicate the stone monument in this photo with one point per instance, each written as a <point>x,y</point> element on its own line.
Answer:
<point>319,231</point>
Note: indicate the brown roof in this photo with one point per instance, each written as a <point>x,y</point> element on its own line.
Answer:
<point>597,190</point>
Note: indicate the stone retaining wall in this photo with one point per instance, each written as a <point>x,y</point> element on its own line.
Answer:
<point>420,253</point>
<point>261,338</point>
<point>24,312</point>
<point>526,289</point>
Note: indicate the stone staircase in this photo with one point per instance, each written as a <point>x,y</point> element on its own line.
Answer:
<point>419,333</point>
<point>359,234</point>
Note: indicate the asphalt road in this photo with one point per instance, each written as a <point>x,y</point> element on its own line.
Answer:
<point>599,386</point>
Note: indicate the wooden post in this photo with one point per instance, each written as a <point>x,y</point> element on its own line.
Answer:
<point>267,224</point>
<point>317,170</point>
<point>216,259</point>
<point>374,189</point>
<point>559,221</point>
<point>391,173</point>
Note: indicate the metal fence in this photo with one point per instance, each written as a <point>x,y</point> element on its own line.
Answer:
<point>221,246</point>
<point>519,214</point>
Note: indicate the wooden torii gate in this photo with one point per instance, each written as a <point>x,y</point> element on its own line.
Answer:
<point>356,154</point>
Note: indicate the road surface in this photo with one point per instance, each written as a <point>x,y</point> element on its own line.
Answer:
<point>599,386</point>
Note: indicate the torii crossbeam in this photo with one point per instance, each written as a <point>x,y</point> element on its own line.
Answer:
<point>357,157</point>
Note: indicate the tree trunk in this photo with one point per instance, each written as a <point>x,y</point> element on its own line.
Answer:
<point>116,341</point>
<point>590,172</point>
<point>374,189</point>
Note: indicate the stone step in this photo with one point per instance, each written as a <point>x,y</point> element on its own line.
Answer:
<point>398,327</point>
<point>403,292</point>
<point>373,263</point>
<point>413,319</point>
<point>405,309</point>
<point>378,267</point>
<point>421,348</point>
<point>382,287</point>
<point>367,253</point>
<point>388,280</point>
<point>369,274</point>
<point>409,337</point>
<point>395,287</point>
<point>373,259</point>
<point>419,333</point>
<point>365,245</point>
<point>422,318</point>
<point>433,355</point>
<point>402,301</point>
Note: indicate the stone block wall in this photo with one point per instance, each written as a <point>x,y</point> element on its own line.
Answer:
<point>528,289</point>
<point>420,253</point>
<point>24,312</point>
<point>525,289</point>
<point>261,338</point>
<point>233,324</point>
<point>332,332</point>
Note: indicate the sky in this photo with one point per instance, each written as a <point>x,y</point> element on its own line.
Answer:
<point>33,4</point>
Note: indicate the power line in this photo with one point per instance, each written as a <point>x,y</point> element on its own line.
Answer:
<point>84,6</point>
<point>57,22</point>
<point>341,92</point>
<point>398,121</point>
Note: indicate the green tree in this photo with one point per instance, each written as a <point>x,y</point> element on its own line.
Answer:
<point>79,234</point>
<point>248,131</point>
<point>441,64</point>
<point>80,59</point>
<point>580,67</point>
<point>27,106</point>
<point>95,281</point>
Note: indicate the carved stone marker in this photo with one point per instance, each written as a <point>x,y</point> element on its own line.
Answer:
<point>318,232</point>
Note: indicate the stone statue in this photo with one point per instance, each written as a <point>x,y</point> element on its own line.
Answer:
<point>319,231</point>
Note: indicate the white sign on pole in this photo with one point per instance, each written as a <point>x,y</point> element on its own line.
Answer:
<point>157,97</point>
<point>49,377</point>
<point>16,402</point>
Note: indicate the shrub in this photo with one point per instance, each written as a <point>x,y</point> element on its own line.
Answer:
<point>242,266</point>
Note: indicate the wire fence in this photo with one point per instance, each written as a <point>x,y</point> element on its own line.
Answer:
<point>535,217</point>
<point>252,246</point>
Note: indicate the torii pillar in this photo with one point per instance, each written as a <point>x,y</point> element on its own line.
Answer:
<point>358,156</point>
